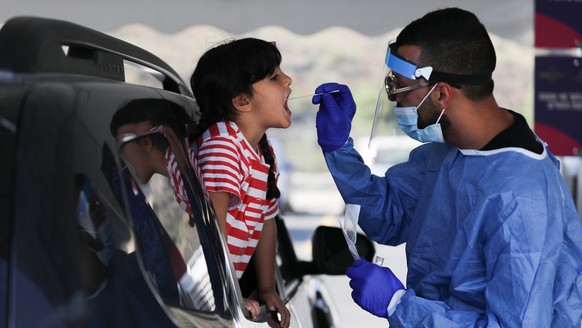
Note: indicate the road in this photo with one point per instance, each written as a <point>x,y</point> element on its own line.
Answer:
<point>315,201</point>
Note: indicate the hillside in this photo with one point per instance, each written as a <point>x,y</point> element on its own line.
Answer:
<point>335,54</point>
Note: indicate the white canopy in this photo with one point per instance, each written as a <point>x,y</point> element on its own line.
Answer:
<point>510,19</point>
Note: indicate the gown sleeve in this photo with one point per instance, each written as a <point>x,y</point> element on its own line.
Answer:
<point>387,202</point>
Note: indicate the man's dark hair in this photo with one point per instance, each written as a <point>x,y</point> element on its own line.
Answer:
<point>453,40</point>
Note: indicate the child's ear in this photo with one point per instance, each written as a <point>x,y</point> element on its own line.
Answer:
<point>242,102</point>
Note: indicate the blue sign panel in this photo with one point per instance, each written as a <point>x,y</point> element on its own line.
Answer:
<point>558,104</point>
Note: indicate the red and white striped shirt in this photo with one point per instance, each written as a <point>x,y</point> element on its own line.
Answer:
<point>227,163</point>
<point>176,180</point>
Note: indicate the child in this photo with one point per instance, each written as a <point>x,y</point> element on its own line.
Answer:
<point>241,92</point>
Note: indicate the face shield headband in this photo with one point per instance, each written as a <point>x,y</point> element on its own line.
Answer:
<point>410,71</point>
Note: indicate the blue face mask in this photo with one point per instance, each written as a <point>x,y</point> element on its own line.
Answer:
<point>407,118</point>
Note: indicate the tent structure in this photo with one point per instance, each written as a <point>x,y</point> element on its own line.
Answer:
<point>510,19</point>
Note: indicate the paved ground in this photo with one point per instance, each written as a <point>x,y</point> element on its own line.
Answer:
<point>315,201</point>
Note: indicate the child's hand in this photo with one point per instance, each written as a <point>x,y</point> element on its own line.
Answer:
<point>274,303</point>
<point>252,306</point>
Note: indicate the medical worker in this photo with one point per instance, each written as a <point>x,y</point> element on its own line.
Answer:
<point>492,234</point>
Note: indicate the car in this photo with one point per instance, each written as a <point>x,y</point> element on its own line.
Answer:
<point>83,240</point>
<point>285,168</point>
<point>384,151</point>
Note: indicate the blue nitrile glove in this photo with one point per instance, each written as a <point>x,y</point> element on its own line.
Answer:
<point>373,286</point>
<point>334,118</point>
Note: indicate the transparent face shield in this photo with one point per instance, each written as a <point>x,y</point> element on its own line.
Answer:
<point>125,142</point>
<point>384,121</point>
<point>383,113</point>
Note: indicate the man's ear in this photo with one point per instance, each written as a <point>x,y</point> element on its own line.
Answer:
<point>242,102</point>
<point>443,93</point>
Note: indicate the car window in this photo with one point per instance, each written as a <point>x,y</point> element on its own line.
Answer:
<point>171,249</point>
<point>96,234</point>
<point>110,273</point>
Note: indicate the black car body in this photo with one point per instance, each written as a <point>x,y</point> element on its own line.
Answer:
<point>82,243</point>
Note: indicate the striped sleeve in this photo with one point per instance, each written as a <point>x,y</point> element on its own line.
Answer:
<point>272,210</point>
<point>219,165</point>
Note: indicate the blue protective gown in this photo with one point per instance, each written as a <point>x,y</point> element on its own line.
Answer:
<point>492,237</point>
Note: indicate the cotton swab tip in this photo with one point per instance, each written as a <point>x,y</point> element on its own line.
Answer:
<point>321,93</point>
<point>312,95</point>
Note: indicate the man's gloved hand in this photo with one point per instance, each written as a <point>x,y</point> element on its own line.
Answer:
<point>373,286</point>
<point>334,118</point>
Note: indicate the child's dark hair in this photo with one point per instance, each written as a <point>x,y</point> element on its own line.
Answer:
<point>228,70</point>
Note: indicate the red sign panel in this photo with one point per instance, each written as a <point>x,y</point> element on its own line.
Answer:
<point>558,23</point>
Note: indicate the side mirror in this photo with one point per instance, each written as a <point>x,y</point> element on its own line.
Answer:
<point>330,250</point>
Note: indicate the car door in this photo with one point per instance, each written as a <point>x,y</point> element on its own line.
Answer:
<point>77,249</point>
